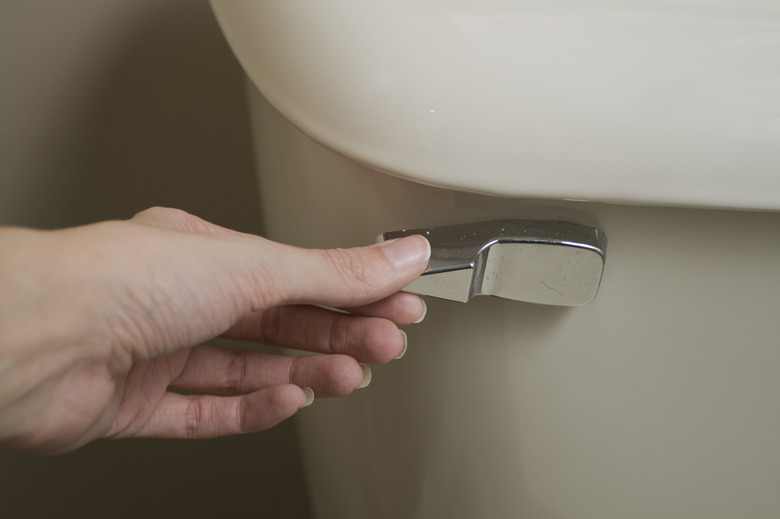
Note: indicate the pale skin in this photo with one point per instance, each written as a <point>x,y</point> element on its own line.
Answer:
<point>104,328</point>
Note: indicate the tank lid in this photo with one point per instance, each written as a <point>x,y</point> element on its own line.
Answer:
<point>642,102</point>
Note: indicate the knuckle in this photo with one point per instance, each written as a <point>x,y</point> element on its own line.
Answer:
<point>270,326</point>
<point>236,372</point>
<point>341,330</point>
<point>172,218</point>
<point>193,419</point>
<point>340,375</point>
<point>243,417</point>
<point>351,268</point>
<point>161,214</point>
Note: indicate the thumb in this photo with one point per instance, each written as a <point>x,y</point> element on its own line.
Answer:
<point>228,264</point>
<point>351,277</point>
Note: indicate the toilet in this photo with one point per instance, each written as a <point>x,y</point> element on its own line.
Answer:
<point>655,122</point>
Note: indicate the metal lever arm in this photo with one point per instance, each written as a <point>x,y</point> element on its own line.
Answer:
<point>537,261</point>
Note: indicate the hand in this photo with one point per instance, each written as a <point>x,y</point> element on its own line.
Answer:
<point>98,324</point>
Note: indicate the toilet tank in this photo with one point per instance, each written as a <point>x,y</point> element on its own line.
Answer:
<point>659,121</point>
<point>644,102</point>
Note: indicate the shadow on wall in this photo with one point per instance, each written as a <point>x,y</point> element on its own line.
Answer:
<point>168,126</point>
<point>159,118</point>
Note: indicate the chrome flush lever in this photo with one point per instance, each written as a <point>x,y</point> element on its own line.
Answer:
<point>537,261</point>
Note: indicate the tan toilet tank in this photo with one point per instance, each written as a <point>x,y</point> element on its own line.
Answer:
<point>656,122</point>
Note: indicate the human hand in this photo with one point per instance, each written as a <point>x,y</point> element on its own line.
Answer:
<point>99,323</point>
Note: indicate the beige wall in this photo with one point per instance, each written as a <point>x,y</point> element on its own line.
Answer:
<point>107,107</point>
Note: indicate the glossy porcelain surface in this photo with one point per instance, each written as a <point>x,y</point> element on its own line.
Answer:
<point>642,101</point>
<point>659,399</point>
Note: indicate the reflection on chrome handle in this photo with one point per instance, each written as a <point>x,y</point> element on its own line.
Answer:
<point>536,261</point>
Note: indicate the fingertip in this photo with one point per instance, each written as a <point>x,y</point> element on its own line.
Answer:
<point>402,308</point>
<point>270,406</point>
<point>405,345</point>
<point>408,252</point>
<point>309,392</point>
<point>366,377</point>
<point>423,311</point>
<point>407,308</point>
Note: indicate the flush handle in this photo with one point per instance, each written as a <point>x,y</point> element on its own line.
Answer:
<point>536,261</point>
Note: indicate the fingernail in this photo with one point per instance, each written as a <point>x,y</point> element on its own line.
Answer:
<point>423,313</point>
<point>309,392</point>
<point>406,341</point>
<point>366,377</point>
<point>407,252</point>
